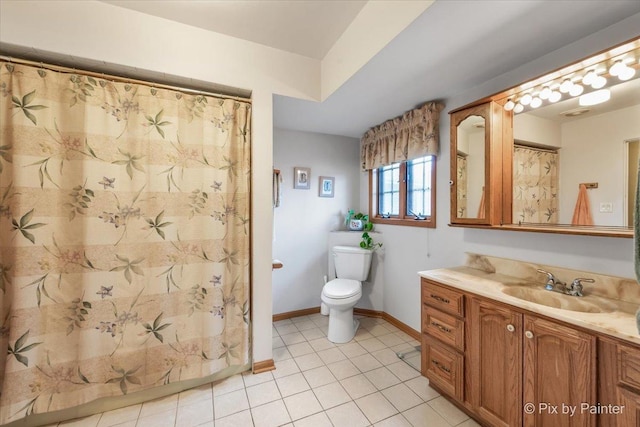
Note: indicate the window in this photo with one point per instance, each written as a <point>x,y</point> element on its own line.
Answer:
<point>404,193</point>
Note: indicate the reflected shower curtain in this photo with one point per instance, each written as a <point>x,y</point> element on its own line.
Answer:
<point>124,238</point>
<point>535,185</point>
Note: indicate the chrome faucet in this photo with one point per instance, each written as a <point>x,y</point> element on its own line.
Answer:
<point>553,284</point>
<point>576,286</point>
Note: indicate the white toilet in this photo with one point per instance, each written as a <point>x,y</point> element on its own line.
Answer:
<point>342,294</point>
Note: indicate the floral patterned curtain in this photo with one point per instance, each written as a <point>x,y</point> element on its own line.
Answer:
<point>412,135</point>
<point>535,185</point>
<point>461,202</point>
<point>124,238</point>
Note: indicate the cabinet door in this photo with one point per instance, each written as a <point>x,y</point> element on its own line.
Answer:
<point>629,415</point>
<point>495,358</point>
<point>559,374</point>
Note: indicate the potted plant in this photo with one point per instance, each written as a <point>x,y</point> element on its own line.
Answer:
<point>368,243</point>
<point>358,221</point>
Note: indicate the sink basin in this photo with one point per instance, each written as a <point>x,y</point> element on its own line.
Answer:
<point>588,304</point>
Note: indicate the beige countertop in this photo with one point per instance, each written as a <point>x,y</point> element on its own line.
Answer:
<point>618,320</point>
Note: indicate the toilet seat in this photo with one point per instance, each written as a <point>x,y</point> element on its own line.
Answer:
<point>341,288</point>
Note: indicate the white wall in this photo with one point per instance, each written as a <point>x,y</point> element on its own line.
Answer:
<point>536,130</point>
<point>303,220</point>
<point>412,249</point>
<point>593,150</point>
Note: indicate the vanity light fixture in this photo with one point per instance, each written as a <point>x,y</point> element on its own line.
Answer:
<point>616,68</point>
<point>555,96</point>
<point>599,82</point>
<point>545,93</point>
<point>536,102</point>
<point>576,90</point>
<point>566,86</point>
<point>626,73</point>
<point>509,105</point>
<point>519,108</point>
<point>526,99</point>
<point>589,77</point>
<point>594,98</point>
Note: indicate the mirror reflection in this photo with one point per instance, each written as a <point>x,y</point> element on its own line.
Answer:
<point>470,167</point>
<point>563,145</point>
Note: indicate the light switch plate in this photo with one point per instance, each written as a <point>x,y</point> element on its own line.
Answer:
<point>606,207</point>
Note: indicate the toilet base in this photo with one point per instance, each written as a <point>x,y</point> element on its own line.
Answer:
<point>342,326</point>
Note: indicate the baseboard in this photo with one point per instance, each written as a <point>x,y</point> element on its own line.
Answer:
<point>359,311</point>
<point>263,366</point>
<point>296,313</point>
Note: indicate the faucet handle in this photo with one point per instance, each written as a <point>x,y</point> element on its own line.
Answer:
<point>579,281</point>
<point>576,286</point>
<point>551,279</point>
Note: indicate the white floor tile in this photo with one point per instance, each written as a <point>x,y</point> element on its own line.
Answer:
<point>254,379</point>
<point>240,419</point>
<point>331,395</point>
<point>366,362</point>
<point>300,319</point>
<point>347,415</point>
<point>308,361</point>
<point>403,371</point>
<point>390,339</point>
<point>277,342</point>
<point>90,421</point>
<point>320,376</point>
<point>448,410</point>
<point>318,420</point>
<point>420,386</point>
<point>300,349</point>
<point>194,395</point>
<point>362,334</point>
<point>285,367</point>
<point>469,423</point>
<point>378,330</point>
<point>352,349</point>
<point>331,355</point>
<point>227,385</point>
<point>263,393</point>
<point>282,322</point>
<point>375,407</point>
<point>306,325</point>
<point>293,338</point>
<point>343,369</point>
<point>386,356</point>
<point>381,378</point>
<point>292,384</point>
<point>288,328</point>
<point>118,416</point>
<point>372,344</point>
<point>281,353</point>
<point>270,415</point>
<point>230,403</point>
<point>424,416</point>
<point>358,386</point>
<point>302,405</point>
<point>313,334</point>
<point>321,344</point>
<point>396,421</point>
<point>402,397</point>
<point>194,414</point>
<point>162,419</point>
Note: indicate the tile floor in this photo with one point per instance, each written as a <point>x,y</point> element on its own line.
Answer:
<point>316,383</point>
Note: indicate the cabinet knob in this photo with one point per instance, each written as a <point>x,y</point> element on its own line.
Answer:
<point>510,327</point>
<point>528,334</point>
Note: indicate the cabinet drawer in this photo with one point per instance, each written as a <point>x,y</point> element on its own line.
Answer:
<point>446,328</point>
<point>442,298</point>
<point>629,366</point>
<point>443,367</point>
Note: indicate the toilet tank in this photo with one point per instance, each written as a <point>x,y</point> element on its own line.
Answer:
<point>352,262</point>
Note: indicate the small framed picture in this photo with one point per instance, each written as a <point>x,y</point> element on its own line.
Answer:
<point>301,178</point>
<point>326,186</point>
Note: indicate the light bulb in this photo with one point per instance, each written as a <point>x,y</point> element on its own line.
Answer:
<point>518,108</point>
<point>594,98</point>
<point>576,90</point>
<point>526,99</point>
<point>627,73</point>
<point>536,102</point>
<point>545,92</point>
<point>588,78</point>
<point>598,82</point>
<point>566,85</point>
<point>616,68</point>
<point>555,96</point>
<point>509,105</point>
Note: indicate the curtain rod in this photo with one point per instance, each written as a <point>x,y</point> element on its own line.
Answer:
<point>121,79</point>
<point>533,147</point>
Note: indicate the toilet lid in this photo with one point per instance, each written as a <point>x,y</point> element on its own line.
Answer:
<point>341,288</point>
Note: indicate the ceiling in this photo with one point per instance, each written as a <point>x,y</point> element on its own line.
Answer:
<point>304,27</point>
<point>451,48</point>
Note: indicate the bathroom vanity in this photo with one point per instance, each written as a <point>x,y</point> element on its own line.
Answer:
<point>511,353</point>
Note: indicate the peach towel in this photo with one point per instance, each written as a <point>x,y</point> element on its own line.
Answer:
<point>582,212</point>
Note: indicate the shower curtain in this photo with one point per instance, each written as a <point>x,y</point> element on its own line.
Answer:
<point>124,238</point>
<point>535,185</point>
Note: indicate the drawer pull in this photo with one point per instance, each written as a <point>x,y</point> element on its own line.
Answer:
<point>511,328</point>
<point>439,298</point>
<point>528,334</point>
<point>441,366</point>
<point>442,328</point>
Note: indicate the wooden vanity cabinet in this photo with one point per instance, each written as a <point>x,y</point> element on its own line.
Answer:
<point>619,383</point>
<point>509,358</point>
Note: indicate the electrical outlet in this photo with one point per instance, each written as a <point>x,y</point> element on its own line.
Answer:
<point>606,207</point>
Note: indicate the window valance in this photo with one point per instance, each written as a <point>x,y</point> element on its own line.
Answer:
<point>412,135</point>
